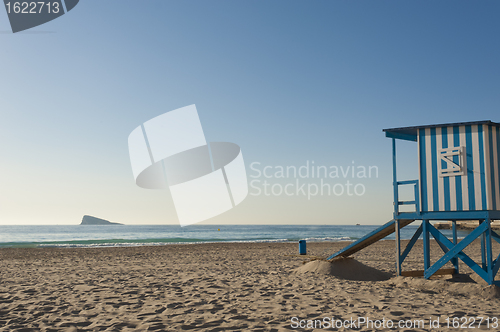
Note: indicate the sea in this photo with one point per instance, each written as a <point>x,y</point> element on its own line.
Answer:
<point>87,236</point>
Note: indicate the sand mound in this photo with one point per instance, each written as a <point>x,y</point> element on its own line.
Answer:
<point>348,268</point>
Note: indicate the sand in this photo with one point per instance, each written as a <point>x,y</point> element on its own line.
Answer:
<point>348,268</point>
<point>228,287</point>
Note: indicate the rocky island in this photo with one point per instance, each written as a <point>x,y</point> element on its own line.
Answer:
<point>466,224</point>
<point>89,220</point>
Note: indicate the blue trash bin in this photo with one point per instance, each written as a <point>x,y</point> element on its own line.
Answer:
<point>302,247</point>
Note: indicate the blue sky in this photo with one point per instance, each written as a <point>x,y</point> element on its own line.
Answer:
<point>289,81</point>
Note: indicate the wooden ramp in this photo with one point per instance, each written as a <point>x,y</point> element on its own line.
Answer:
<point>370,238</point>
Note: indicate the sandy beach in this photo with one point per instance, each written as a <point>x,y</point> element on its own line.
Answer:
<point>228,287</point>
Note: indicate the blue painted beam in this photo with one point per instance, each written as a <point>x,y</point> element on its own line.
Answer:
<point>407,182</point>
<point>496,265</point>
<point>406,202</point>
<point>466,259</point>
<point>417,197</point>
<point>483,251</point>
<point>412,242</point>
<point>445,241</point>
<point>409,215</point>
<point>495,236</point>
<point>441,245</point>
<point>451,215</point>
<point>406,137</point>
<point>454,260</point>
<point>395,179</point>
<point>489,258</point>
<point>427,249</point>
<point>456,250</point>
<point>398,246</point>
<point>457,215</point>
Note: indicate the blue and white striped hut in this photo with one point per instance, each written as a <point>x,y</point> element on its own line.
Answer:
<point>458,165</point>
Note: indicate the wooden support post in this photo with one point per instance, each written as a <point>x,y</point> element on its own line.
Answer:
<point>427,249</point>
<point>483,247</point>
<point>398,247</point>
<point>489,257</point>
<point>454,261</point>
<point>417,197</point>
<point>410,244</point>
<point>395,179</point>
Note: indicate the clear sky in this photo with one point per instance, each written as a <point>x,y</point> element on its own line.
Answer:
<point>288,81</point>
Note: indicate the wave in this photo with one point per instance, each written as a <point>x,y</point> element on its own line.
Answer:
<point>155,242</point>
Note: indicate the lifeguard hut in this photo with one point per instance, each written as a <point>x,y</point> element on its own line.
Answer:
<point>459,165</point>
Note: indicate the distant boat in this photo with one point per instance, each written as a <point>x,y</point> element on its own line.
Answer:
<point>358,224</point>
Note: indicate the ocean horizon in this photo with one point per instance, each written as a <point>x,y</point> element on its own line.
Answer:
<point>90,236</point>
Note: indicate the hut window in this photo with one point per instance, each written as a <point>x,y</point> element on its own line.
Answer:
<point>451,161</point>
